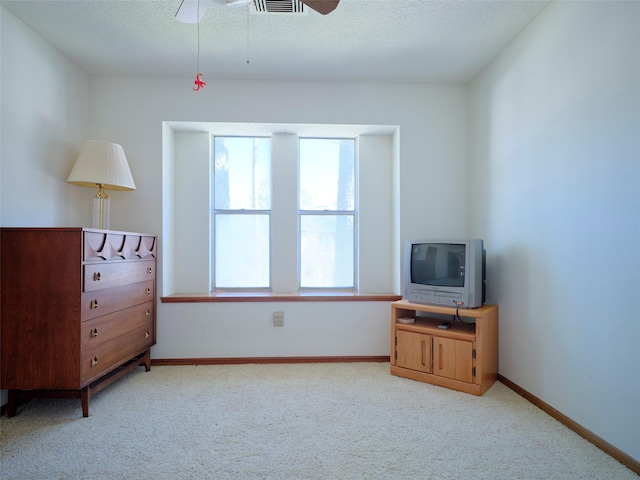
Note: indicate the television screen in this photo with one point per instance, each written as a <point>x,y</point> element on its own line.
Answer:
<point>439,264</point>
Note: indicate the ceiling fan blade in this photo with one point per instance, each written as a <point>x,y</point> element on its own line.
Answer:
<point>234,3</point>
<point>191,11</point>
<point>322,6</point>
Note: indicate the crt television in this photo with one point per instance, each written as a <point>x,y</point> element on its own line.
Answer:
<point>445,272</point>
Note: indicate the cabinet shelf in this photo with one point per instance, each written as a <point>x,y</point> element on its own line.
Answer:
<point>430,325</point>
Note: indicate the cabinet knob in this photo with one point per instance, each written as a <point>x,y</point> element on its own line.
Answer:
<point>147,334</point>
<point>94,361</point>
<point>94,332</point>
<point>147,313</point>
<point>149,270</point>
<point>148,291</point>
<point>94,304</point>
<point>96,276</point>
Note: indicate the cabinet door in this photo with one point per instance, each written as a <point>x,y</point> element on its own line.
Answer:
<point>453,359</point>
<point>413,350</point>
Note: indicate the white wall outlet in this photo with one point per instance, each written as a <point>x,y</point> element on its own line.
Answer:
<point>278,319</point>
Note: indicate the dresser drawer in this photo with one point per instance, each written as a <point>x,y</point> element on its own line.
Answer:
<point>106,275</point>
<point>108,300</point>
<point>105,357</point>
<point>100,246</point>
<point>103,329</point>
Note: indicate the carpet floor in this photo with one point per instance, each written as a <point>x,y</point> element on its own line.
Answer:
<point>293,421</point>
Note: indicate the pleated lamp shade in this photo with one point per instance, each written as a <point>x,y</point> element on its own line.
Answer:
<point>102,163</point>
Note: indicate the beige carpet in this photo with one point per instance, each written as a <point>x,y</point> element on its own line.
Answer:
<point>305,421</point>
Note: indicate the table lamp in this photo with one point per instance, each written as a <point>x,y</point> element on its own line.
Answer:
<point>102,165</point>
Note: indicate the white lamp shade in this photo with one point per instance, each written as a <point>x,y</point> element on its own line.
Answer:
<point>102,163</point>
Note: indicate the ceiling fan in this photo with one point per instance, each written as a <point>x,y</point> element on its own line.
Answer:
<point>192,11</point>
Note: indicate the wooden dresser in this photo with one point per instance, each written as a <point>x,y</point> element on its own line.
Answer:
<point>77,310</point>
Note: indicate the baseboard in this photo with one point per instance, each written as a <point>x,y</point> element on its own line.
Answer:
<point>588,435</point>
<point>265,360</point>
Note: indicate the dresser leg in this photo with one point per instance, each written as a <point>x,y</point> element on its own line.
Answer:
<point>85,393</point>
<point>147,361</point>
<point>11,403</point>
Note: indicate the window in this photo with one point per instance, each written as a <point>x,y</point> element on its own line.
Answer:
<point>327,213</point>
<point>241,212</point>
<point>243,221</point>
<point>250,242</point>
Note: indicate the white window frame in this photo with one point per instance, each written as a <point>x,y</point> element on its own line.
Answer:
<point>353,213</point>
<point>229,211</point>
<point>187,232</point>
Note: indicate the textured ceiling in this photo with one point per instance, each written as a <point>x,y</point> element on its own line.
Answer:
<point>362,40</point>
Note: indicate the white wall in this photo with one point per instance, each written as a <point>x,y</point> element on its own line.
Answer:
<point>555,162</point>
<point>376,206</point>
<point>190,180</point>
<point>45,122</point>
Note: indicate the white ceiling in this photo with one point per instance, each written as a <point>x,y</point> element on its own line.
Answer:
<point>362,40</point>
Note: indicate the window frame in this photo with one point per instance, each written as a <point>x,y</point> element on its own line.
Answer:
<point>353,213</point>
<point>242,212</point>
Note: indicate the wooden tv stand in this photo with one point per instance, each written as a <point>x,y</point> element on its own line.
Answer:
<point>463,357</point>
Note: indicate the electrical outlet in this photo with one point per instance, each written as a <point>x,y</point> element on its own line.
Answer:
<point>278,319</point>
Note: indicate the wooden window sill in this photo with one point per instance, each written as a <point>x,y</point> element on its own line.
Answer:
<point>276,297</point>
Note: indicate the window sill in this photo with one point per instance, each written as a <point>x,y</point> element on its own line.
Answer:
<point>277,297</point>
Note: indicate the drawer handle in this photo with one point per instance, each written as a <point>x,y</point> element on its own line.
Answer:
<point>148,291</point>
<point>96,276</point>
<point>149,270</point>
<point>94,332</point>
<point>147,334</point>
<point>94,361</point>
<point>147,313</point>
<point>94,304</point>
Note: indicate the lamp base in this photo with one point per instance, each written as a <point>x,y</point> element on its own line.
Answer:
<point>101,205</point>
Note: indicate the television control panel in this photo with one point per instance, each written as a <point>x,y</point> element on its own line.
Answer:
<point>431,297</point>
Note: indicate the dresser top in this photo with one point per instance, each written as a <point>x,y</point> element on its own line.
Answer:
<point>75,229</point>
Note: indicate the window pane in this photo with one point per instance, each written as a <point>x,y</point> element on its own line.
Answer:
<point>242,173</point>
<point>327,174</point>
<point>241,251</point>
<point>326,251</point>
